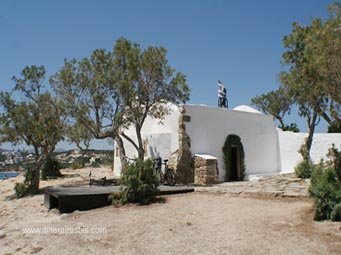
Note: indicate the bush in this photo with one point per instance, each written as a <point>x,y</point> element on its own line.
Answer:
<point>326,191</point>
<point>80,162</point>
<point>335,127</point>
<point>338,166</point>
<point>51,168</point>
<point>96,163</point>
<point>85,159</point>
<point>64,165</point>
<point>304,169</point>
<point>107,159</point>
<point>21,189</point>
<point>115,198</point>
<point>77,164</point>
<point>24,188</point>
<point>292,127</point>
<point>336,213</point>
<point>140,181</point>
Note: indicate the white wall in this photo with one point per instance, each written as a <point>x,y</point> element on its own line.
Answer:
<point>162,137</point>
<point>267,149</point>
<point>209,127</point>
<point>290,144</point>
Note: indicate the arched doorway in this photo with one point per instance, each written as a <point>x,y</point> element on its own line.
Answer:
<point>233,154</point>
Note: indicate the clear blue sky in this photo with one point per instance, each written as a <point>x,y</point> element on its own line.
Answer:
<point>237,42</point>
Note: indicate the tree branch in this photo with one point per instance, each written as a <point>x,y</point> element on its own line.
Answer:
<point>130,140</point>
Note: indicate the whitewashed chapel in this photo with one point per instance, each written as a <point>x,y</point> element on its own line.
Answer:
<point>192,137</point>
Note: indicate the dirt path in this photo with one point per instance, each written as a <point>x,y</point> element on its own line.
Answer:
<point>195,223</point>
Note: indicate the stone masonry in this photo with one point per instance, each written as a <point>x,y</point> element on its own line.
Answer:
<point>279,185</point>
<point>181,160</point>
<point>205,170</point>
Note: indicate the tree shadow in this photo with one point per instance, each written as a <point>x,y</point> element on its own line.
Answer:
<point>13,196</point>
<point>158,200</point>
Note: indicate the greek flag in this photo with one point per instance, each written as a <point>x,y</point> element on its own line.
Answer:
<point>221,90</point>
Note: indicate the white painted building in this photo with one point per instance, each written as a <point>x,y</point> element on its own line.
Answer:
<point>267,149</point>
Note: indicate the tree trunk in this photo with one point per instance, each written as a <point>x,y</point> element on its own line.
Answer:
<point>36,172</point>
<point>281,123</point>
<point>309,140</point>
<point>121,151</point>
<point>327,118</point>
<point>140,143</point>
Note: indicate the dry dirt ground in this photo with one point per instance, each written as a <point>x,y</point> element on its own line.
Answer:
<point>195,223</point>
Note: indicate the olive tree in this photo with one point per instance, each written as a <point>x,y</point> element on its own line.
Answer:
<point>276,102</point>
<point>89,91</point>
<point>307,85</point>
<point>31,115</point>
<point>146,83</point>
<point>114,90</point>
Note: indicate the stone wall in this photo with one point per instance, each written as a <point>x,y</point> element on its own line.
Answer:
<point>205,170</point>
<point>181,160</point>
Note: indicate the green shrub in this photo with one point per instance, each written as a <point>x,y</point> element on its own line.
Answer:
<point>96,163</point>
<point>85,159</point>
<point>107,159</point>
<point>80,162</point>
<point>326,192</point>
<point>304,169</point>
<point>335,215</point>
<point>24,188</point>
<point>115,198</point>
<point>21,189</point>
<point>335,127</point>
<point>292,127</point>
<point>64,165</point>
<point>51,168</point>
<point>334,156</point>
<point>77,164</point>
<point>338,166</point>
<point>140,182</point>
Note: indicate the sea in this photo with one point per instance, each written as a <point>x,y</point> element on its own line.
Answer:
<point>4,175</point>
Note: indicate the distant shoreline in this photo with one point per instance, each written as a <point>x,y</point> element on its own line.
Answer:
<point>7,175</point>
<point>10,168</point>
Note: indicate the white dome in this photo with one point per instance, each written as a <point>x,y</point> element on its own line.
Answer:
<point>246,108</point>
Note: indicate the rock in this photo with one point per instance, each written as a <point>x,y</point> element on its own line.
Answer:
<point>36,249</point>
<point>289,193</point>
<point>63,216</point>
<point>2,234</point>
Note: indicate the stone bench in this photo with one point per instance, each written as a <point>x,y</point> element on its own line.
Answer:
<point>205,169</point>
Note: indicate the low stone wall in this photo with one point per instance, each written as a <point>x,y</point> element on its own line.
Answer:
<point>205,170</point>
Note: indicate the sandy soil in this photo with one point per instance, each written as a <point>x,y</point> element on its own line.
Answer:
<point>181,224</point>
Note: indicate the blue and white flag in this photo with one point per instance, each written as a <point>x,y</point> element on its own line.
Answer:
<point>221,90</point>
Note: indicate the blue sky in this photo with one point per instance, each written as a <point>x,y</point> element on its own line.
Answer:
<point>237,42</point>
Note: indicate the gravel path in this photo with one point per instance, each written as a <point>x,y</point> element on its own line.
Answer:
<point>184,224</point>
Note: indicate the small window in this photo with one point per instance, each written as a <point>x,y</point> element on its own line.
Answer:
<point>186,118</point>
